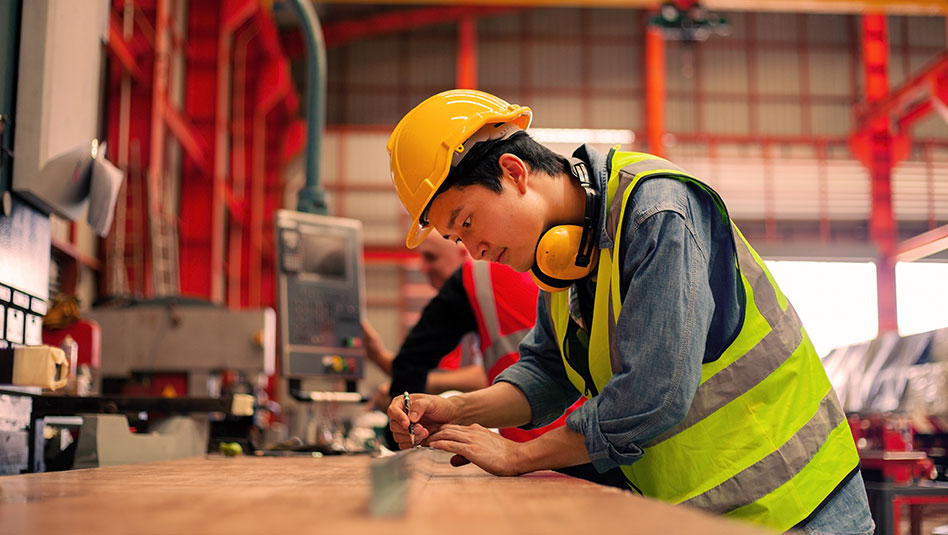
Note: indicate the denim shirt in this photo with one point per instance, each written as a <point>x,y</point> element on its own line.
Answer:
<point>675,287</point>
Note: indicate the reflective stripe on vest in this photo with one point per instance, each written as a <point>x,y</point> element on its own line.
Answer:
<point>765,438</point>
<point>494,344</point>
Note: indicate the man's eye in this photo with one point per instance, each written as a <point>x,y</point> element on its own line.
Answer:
<point>467,222</point>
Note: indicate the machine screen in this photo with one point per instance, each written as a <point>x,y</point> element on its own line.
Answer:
<point>320,293</point>
<point>325,255</point>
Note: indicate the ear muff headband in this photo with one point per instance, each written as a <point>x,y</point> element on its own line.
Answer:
<point>590,214</point>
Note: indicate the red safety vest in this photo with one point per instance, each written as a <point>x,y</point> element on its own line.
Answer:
<point>463,354</point>
<point>504,303</point>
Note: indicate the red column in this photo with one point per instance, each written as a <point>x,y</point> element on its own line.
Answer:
<point>875,147</point>
<point>655,90</point>
<point>197,185</point>
<point>467,53</point>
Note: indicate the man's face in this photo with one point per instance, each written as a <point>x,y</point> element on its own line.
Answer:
<point>500,227</point>
<point>439,258</point>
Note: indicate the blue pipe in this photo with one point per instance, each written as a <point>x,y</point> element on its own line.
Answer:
<point>312,198</point>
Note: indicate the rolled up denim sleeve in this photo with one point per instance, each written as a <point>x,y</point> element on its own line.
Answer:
<point>539,373</point>
<point>660,336</point>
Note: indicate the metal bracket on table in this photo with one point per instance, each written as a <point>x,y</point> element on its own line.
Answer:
<point>390,477</point>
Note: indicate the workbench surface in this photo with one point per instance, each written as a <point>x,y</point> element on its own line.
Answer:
<point>329,495</point>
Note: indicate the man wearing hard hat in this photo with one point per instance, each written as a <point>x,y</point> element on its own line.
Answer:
<point>703,387</point>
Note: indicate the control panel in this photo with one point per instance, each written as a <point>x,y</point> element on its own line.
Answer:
<point>21,318</point>
<point>320,291</point>
<point>24,275</point>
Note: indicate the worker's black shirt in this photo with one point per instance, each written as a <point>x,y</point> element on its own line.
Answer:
<point>444,321</point>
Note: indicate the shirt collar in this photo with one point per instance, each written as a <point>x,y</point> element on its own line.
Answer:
<point>597,168</point>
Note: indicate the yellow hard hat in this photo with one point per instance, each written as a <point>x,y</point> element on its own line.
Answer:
<point>434,133</point>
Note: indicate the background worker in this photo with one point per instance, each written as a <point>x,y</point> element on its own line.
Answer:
<point>462,368</point>
<point>702,385</point>
<point>493,301</point>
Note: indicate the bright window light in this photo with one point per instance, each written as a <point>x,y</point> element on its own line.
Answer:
<point>582,135</point>
<point>835,300</point>
<point>922,296</point>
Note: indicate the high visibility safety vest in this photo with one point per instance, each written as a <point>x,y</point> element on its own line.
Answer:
<point>466,352</point>
<point>504,303</point>
<point>765,439</point>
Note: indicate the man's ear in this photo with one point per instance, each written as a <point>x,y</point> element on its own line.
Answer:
<point>514,169</point>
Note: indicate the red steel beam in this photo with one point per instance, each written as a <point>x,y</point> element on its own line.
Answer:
<point>912,114</point>
<point>939,98</point>
<point>342,32</point>
<point>235,248</point>
<point>925,244</point>
<point>119,279</point>
<point>234,13</point>
<point>655,90</point>
<point>906,99</point>
<point>467,53</point>
<point>275,85</point>
<point>204,19</point>
<point>121,50</point>
<point>184,132</point>
<point>384,253</point>
<point>159,98</point>
<point>157,148</point>
<point>878,154</point>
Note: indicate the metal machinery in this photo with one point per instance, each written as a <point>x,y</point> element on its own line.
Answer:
<point>177,347</point>
<point>894,390</point>
<point>191,350</point>
<point>321,296</point>
<point>53,163</point>
<point>48,121</point>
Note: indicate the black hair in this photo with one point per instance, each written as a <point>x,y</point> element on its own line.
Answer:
<point>481,167</point>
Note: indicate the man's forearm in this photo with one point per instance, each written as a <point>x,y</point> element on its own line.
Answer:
<point>465,379</point>
<point>557,448</point>
<point>383,358</point>
<point>499,405</point>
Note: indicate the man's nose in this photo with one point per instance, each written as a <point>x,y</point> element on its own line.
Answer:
<point>476,250</point>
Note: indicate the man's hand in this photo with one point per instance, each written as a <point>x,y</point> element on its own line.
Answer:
<point>381,399</point>
<point>481,446</point>
<point>428,414</point>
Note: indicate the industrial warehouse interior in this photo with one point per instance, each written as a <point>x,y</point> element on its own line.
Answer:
<point>526,266</point>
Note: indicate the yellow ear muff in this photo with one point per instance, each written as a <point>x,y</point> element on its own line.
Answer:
<point>558,287</point>
<point>555,266</point>
<point>556,252</point>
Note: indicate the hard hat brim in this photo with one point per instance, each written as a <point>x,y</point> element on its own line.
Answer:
<point>416,235</point>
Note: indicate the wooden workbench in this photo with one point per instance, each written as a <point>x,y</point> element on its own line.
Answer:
<point>329,495</point>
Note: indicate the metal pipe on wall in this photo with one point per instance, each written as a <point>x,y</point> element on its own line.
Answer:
<point>311,198</point>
